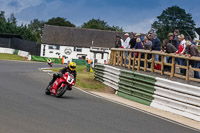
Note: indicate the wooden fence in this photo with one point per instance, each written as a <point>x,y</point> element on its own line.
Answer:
<point>127,58</point>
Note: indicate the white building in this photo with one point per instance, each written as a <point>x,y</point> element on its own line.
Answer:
<point>77,43</point>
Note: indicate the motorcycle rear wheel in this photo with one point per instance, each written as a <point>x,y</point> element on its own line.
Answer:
<point>61,91</point>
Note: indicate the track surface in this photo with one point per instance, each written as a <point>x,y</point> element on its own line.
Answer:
<point>24,108</point>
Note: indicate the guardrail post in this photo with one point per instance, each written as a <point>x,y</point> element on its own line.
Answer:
<point>173,67</point>
<point>162,65</point>
<point>121,62</point>
<point>125,59</point>
<point>111,55</point>
<point>133,68</point>
<point>118,58</point>
<point>145,62</point>
<point>129,60</point>
<point>152,63</point>
<point>114,63</point>
<point>187,70</point>
<point>139,59</point>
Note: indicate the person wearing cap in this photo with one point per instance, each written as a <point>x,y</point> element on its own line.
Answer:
<point>125,43</point>
<point>156,45</point>
<point>176,33</point>
<point>172,41</point>
<point>133,41</point>
<point>193,51</point>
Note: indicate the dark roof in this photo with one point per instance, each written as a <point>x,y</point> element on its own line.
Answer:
<point>5,35</point>
<point>68,36</point>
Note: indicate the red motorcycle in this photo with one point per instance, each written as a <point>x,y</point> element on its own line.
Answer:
<point>60,85</point>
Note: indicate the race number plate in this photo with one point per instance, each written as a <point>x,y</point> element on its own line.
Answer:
<point>70,80</point>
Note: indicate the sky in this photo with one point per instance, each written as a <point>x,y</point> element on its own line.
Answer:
<point>133,15</point>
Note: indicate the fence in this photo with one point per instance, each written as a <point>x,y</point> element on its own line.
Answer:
<point>127,58</point>
<point>178,98</point>
<point>16,43</point>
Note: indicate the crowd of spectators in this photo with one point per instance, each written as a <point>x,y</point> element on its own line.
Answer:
<point>176,43</point>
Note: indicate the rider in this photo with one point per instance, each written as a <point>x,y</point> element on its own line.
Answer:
<point>71,68</point>
<point>49,60</point>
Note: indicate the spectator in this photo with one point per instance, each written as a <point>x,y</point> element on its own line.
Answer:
<point>138,44</point>
<point>133,41</point>
<point>176,33</point>
<point>137,35</point>
<point>168,48</point>
<point>125,43</point>
<point>118,42</point>
<point>181,51</point>
<point>156,44</point>
<point>172,41</point>
<point>147,44</point>
<point>182,45</point>
<point>193,51</point>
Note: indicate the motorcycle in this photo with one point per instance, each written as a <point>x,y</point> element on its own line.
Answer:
<point>50,64</point>
<point>60,85</point>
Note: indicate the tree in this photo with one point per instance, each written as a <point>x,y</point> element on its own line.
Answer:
<point>60,22</point>
<point>36,27</point>
<point>101,25</point>
<point>2,22</point>
<point>174,18</point>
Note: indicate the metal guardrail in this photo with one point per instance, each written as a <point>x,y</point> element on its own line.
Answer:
<point>120,57</point>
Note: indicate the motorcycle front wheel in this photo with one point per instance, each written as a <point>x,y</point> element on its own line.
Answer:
<point>61,90</point>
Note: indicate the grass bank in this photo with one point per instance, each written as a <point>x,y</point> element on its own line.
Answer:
<point>85,80</point>
<point>11,57</point>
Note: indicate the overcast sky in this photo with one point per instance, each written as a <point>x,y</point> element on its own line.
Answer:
<point>132,15</point>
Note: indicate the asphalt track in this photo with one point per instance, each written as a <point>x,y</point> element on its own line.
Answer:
<point>24,108</point>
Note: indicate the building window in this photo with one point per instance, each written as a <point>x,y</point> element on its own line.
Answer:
<point>78,49</point>
<point>55,47</point>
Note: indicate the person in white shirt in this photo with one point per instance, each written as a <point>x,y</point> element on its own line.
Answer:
<point>125,43</point>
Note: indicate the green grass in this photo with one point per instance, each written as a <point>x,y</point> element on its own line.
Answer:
<point>11,57</point>
<point>85,80</point>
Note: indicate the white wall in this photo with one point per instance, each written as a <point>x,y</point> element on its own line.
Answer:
<point>74,54</point>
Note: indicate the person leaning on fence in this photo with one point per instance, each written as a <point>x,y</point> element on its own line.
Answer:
<point>147,46</point>
<point>181,51</point>
<point>126,45</point>
<point>139,45</point>
<point>156,45</point>
<point>172,41</point>
<point>133,41</point>
<point>193,51</point>
<point>168,48</point>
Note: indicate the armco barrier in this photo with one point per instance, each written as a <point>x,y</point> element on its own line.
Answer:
<point>136,87</point>
<point>178,98</point>
<point>6,50</point>
<point>44,59</point>
<point>14,51</point>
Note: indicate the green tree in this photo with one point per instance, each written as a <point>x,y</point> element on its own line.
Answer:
<point>174,18</point>
<point>36,27</point>
<point>60,22</point>
<point>101,25</point>
<point>2,22</point>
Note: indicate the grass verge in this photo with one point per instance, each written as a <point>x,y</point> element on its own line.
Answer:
<point>11,57</point>
<point>85,80</point>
